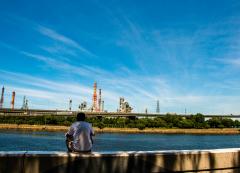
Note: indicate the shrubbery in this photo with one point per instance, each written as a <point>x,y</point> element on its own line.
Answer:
<point>168,121</point>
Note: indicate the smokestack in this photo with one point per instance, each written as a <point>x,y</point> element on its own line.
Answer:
<point>102,106</point>
<point>100,100</point>
<point>2,98</point>
<point>95,96</point>
<point>13,100</point>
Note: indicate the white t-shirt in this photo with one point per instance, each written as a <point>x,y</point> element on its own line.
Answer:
<point>81,132</point>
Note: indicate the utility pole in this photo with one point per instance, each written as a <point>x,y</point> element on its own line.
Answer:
<point>146,111</point>
<point>24,102</point>
<point>70,104</point>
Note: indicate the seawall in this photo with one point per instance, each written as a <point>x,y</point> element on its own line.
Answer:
<point>219,160</point>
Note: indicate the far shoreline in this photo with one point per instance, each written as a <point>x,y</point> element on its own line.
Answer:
<point>28,127</point>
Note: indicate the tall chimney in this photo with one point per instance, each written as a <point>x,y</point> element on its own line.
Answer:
<point>13,100</point>
<point>100,100</point>
<point>102,106</point>
<point>2,98</point>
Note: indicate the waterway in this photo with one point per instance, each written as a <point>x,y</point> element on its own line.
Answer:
<point>13,140</point>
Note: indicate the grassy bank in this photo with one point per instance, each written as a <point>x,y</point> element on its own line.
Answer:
<point>123,130</point>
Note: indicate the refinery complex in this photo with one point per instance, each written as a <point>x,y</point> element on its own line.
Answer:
<point>96,107</point>
<point>97,104</point>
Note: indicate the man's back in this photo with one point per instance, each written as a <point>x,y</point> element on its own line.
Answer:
<point>81,132</point>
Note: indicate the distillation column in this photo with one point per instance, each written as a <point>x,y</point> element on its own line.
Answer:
<point>94,108</point>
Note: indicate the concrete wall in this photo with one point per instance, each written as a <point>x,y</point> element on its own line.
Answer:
<point>223,160</point>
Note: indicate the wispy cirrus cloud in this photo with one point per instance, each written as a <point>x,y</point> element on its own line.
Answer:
<point>62,44</point>
<point>169,60</point>
<point>65,67</point>
<point>41,83</point>
<point>140,90</point>
<point>60,50</point>
<point>62,38</point>
<point>133,83</point>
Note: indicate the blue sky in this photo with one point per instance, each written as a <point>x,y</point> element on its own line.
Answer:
<point>186,54</point>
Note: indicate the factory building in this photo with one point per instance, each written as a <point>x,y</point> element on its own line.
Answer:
<point>124,106</point>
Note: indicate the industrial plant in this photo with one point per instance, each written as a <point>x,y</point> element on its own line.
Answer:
<point>12,103</point>
<point>97,101</point>
<point>124,106</point>
<point>96,106</point>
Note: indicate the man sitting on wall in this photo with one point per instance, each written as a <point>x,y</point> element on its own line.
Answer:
<point>79,136</point>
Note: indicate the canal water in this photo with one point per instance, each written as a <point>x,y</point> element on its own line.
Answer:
<point>13,140</point>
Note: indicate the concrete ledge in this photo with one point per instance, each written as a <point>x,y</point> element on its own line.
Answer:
<point>218,160</point>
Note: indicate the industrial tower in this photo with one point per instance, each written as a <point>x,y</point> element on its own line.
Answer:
<point>158,107</point>
<point>102,106</point>
<point>2,98</point>
<point>13,100</point>
<point>94,106</point>
<point>25,103</point>
<point>100,100</point>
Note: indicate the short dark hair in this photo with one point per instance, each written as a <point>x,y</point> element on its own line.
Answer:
<point>81,116</point>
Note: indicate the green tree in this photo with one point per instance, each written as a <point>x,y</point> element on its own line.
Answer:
<point>215,122</point>
<point>227,122</point>
<point>141,126</point>
<point>186,123</point>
